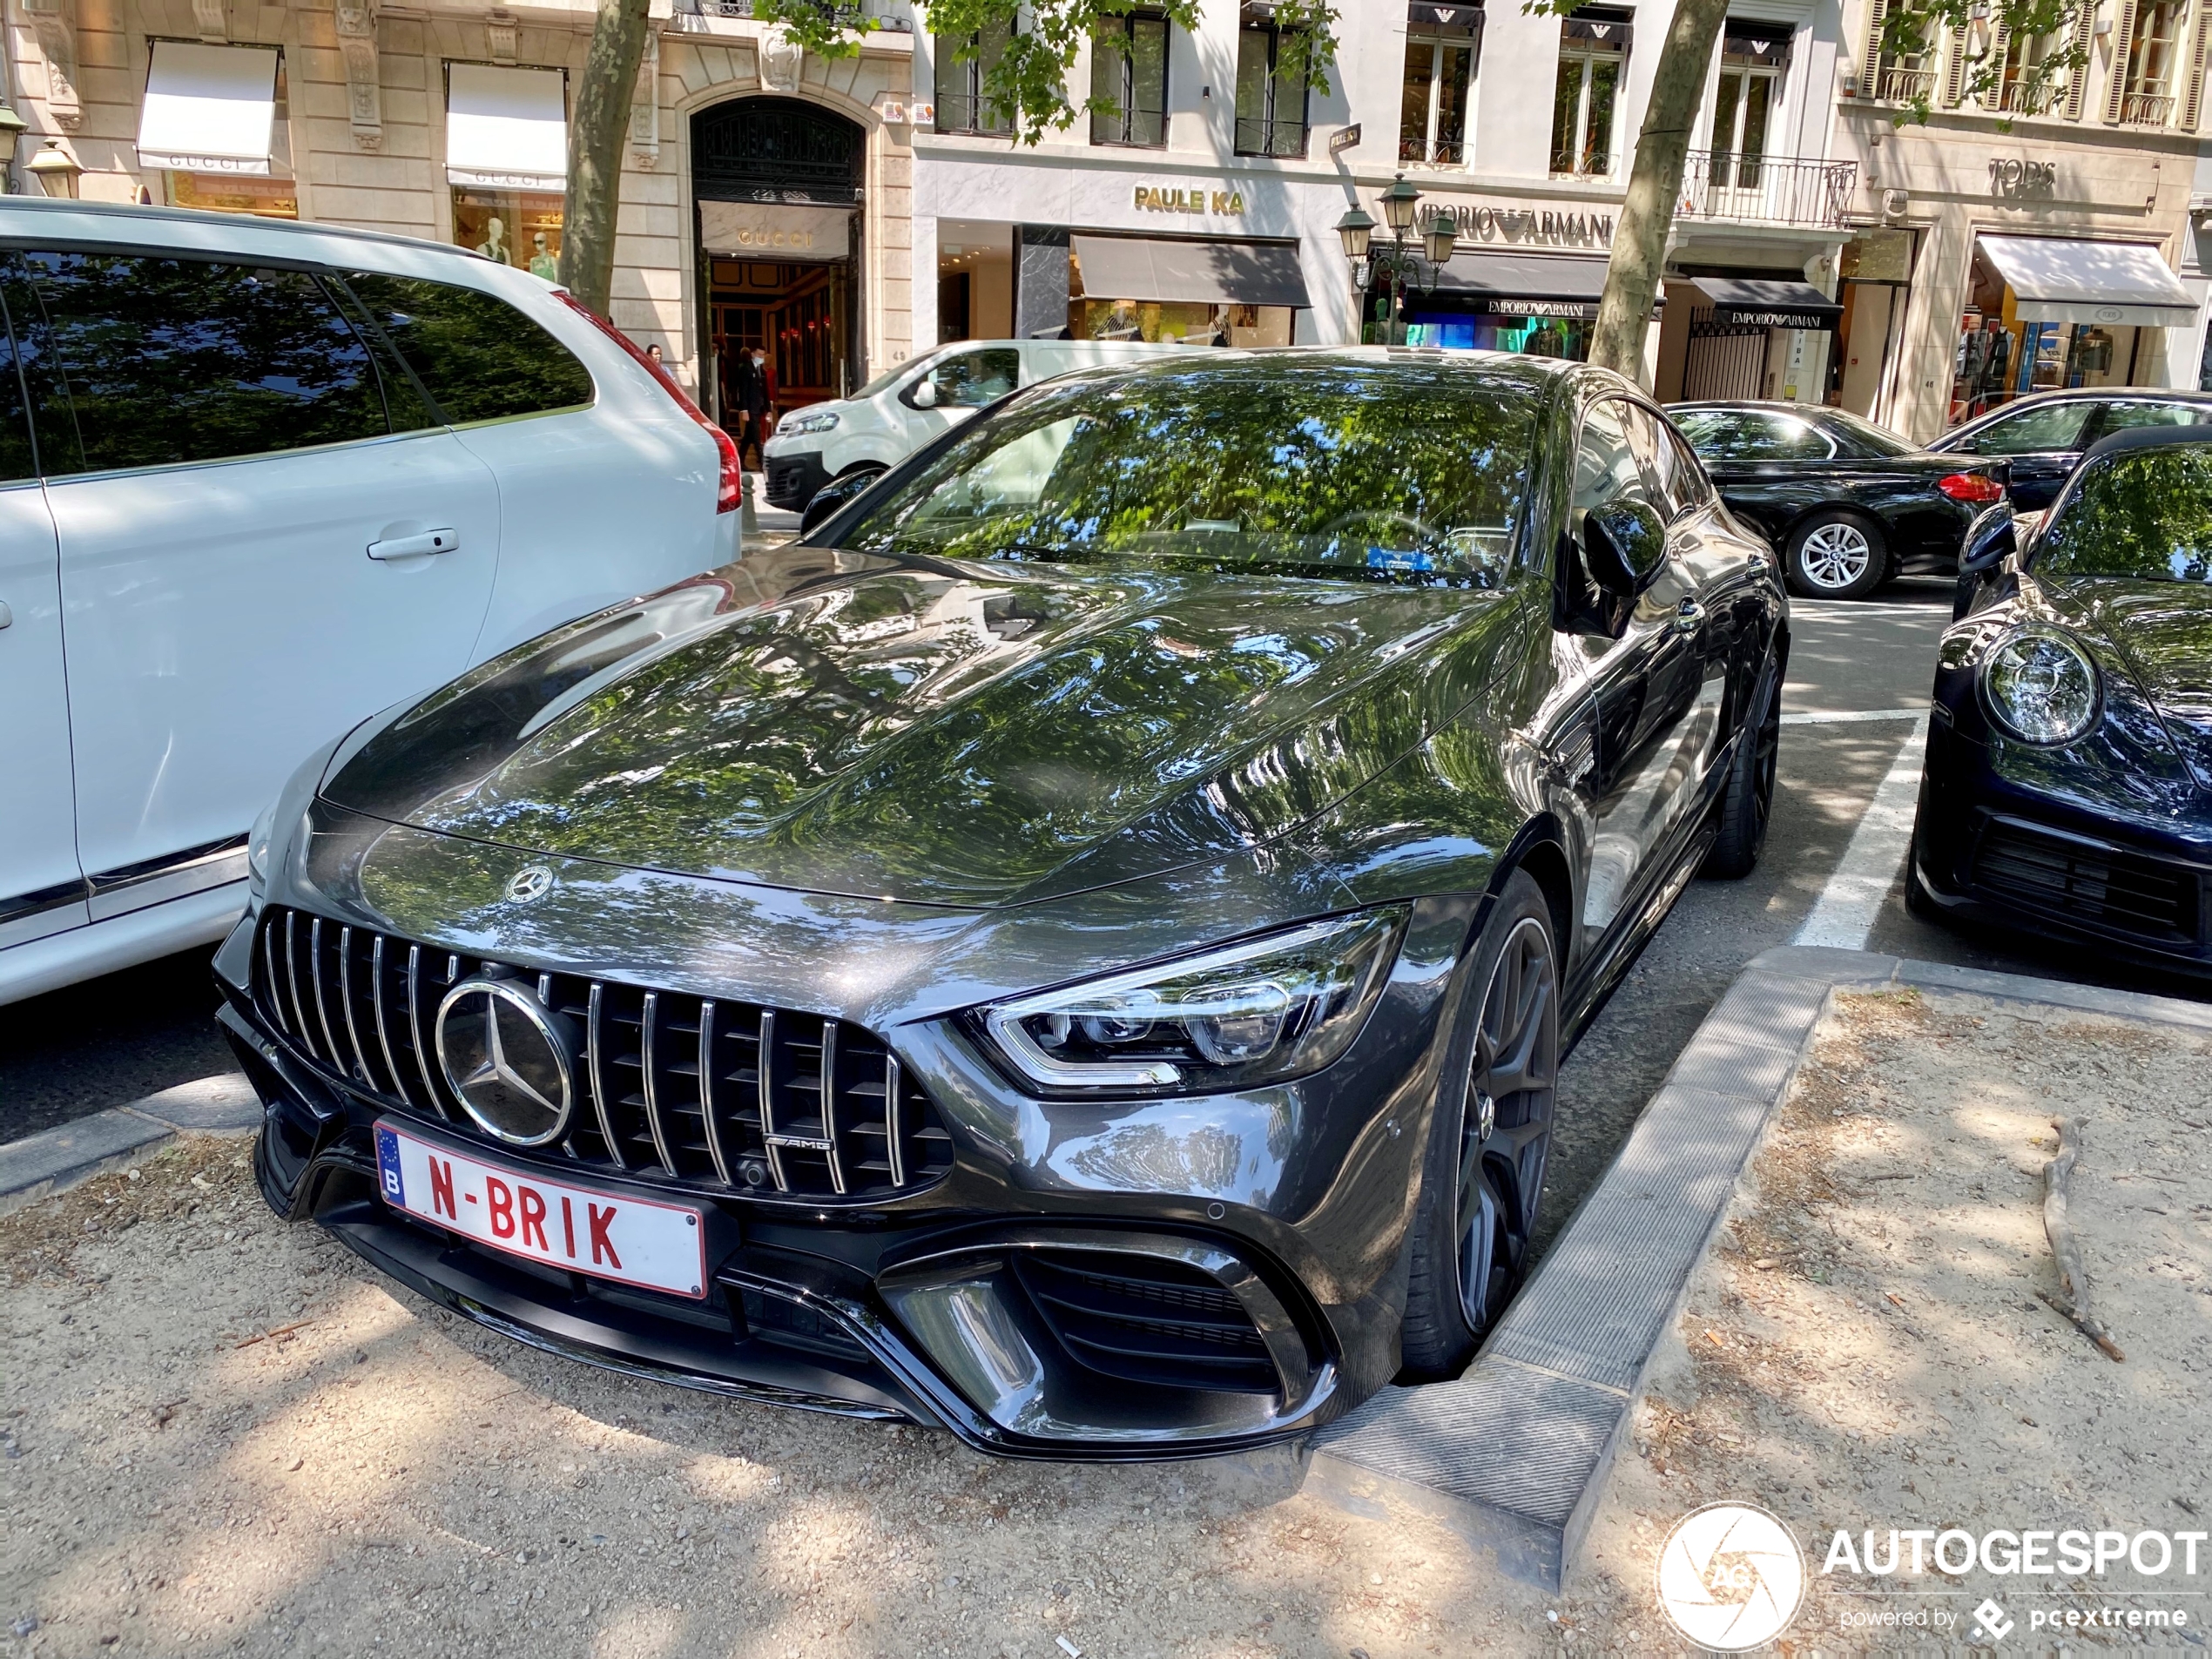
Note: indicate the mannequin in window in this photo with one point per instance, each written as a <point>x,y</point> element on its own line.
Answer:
<point>494,246</point>
<point>542,262</point>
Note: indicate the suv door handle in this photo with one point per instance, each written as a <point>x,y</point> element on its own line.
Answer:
<point>1689,618</point>
<point>415,547</point>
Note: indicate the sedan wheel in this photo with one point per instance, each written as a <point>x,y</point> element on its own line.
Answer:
<point>1484,1174</point>
<point>1837,559</point>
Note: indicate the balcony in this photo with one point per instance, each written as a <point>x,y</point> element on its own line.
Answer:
<point>852,12</point>
<point>2018,97</point>
<point>2146,110</point>
<point>1767,190</point>
<point>1904,85</point>
<point>1444,152</point>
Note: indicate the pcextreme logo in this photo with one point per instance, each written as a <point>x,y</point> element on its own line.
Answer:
<point>1730,1577</point>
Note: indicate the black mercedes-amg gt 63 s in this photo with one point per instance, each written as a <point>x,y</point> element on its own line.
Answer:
<point>1078,950</point>
<point>2069,783</point>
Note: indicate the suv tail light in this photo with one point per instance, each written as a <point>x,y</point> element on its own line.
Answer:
<point>1971,486</point>
<point>731,491</point>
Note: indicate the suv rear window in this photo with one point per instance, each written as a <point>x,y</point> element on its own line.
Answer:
<point>171,360</point>
<point>478,356</point>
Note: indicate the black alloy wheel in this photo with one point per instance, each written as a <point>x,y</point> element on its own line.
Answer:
<point>1747,800</point>
<point>1485,1179</point>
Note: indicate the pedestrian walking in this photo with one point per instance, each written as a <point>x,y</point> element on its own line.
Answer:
<point>756,398</point>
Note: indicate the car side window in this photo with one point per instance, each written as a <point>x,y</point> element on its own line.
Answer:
<point>2125,417</point>
<point>162,361</point>
<point>17,461</point>
<point>2047,426</point>
<point>973,379</point>
<point>479,357</point>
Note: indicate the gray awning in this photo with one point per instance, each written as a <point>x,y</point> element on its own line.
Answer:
<point>2115,283</point>
<point>1771,303</point>
<point>1525,285</point>
<point>1233,274</point>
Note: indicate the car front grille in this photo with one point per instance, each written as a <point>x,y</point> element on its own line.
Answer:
<point>1148,1319</point>
<point>2122,892</point>
<point>693,1091</point>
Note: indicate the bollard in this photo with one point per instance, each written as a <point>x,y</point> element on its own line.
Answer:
<point>748,515</point>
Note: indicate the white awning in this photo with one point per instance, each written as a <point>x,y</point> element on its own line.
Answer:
<point>507,128</point>
<point>2115,283</point>
<point>208,109</point>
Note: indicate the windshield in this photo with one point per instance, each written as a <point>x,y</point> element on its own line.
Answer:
<point>893,375</point>
<point>2141,513</point>
<point>1383,470</point>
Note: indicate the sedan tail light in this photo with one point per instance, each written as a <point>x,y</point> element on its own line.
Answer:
<point>730,490</point>
<point>1971,486</point>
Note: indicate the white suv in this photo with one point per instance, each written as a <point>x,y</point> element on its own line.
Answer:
<point>902,408</point>
<point>259,481</point>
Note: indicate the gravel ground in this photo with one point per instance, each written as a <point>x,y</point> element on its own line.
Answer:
<point>224,1434</point>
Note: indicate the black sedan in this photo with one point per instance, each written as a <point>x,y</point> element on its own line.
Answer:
<point>2068,785</point>
<point>1849,504</point>
<point>2042,438</point>
<point>1077,951</point>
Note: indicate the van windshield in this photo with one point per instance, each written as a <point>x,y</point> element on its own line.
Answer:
<point>893,375</point>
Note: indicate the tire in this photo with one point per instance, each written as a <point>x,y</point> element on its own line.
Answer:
<point>1483,1178</point>
<point>1746,800</point>
<point>1837,555</point>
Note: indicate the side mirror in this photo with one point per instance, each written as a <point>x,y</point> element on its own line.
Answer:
<point>1624,546</point>
<point>1991,539</point>
<point>924,395</point>
<point>832,496</point>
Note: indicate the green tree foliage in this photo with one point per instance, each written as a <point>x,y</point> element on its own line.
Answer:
<point>1918,29</point>
<point>1028,86</point>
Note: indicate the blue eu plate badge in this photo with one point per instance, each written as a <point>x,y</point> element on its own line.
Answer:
<point>388,1165</point>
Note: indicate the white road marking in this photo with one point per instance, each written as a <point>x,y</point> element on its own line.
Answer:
<point>1846,912</point>
<point>1852,717</point>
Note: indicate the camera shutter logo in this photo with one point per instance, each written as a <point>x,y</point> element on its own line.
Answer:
<point>510,1059</point>
<point>1730,1577</point>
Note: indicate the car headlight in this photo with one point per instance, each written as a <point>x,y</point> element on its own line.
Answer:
<point>257,847</point>
<point>792,425</point>
<point>1271,1008</point>
<point>2041,686</point>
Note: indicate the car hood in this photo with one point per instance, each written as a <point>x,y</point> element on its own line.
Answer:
<point>2161,632</point>
<point>948,733</point>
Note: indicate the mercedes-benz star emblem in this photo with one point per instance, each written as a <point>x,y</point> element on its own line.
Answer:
<point>511,1060</point>
<point>533,883</point>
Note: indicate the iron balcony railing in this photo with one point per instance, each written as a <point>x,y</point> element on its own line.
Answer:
<point>2020,98</point>
<point>1903,85</point>
<point>881,12</point>
<point>1767,190</point>
<point>2146,110</point>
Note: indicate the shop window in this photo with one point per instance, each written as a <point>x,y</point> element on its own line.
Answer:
<point>516,228</point>
<point>962,68</point>
<point>222,192</point>
<point>1272,84</point>
<point>2154,54</point>
<point>1190,323</point>
<point>1593,50</point>
<point>1443,49</point>
<point>1129,80</point>
<point>1755,60</point>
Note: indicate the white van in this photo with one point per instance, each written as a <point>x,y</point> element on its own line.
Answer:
<point>903,408</point>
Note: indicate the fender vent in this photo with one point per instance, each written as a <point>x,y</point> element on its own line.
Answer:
<point>1148,1319</point>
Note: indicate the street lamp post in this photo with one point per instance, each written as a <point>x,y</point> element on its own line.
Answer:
<point>1402,260</point>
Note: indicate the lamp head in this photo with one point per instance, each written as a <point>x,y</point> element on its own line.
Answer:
<point>1443,235</point>
<point>55,169</point>
<point>1397,205</point>
<point>11,130</point>
<point>1356,228</point>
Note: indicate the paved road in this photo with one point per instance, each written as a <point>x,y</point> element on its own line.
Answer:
<point>113,1041</point>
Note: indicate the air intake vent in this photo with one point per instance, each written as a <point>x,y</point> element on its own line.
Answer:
<point>693,1091</point>
<point>1148,1319</point>
<point>2122,892</point>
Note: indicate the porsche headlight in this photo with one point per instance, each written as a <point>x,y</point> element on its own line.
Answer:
<point>1271,1008</point>
<point>2041,686</point>
<point>257,847</point>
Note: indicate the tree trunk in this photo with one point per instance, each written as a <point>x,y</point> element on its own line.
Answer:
<point>1655,183</point>
<point>597,133</point>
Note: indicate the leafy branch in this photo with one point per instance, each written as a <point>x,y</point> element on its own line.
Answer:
<point>1911,30</point>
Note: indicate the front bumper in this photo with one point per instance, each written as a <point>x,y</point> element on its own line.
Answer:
<point>2009,841</point>
<point>927,1305</point>
<point>793,478</point>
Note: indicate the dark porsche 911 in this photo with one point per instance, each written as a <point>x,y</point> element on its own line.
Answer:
<point>1848,504</point>
<point>2068,785</point>
<point>1079,950</point>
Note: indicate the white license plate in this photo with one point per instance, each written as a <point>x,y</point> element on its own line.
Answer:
<point>632,1241</point>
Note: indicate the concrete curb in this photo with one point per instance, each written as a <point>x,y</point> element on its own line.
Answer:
<point>56,1159</point>
<point>1513,1455</point>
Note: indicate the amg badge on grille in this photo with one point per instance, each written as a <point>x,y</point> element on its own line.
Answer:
<point>511,1060</point>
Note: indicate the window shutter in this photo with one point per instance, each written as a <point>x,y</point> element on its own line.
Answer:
<point>2077,80</point>
<point>2193,93</point>
<point>1999,38</point>
<point>1954,71</point>
<point>1870,67</point>
<point>2123,37</point>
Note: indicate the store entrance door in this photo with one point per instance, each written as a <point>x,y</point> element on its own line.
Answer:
<point>1724,359</point>
<point>797,315</point>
